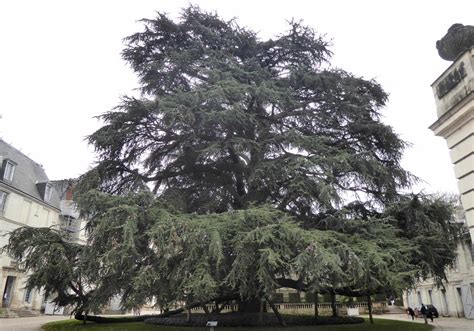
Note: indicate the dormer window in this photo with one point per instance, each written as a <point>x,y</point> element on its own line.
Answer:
<point>8,170</point>
<point>45,191</point>
<point>48,192</point>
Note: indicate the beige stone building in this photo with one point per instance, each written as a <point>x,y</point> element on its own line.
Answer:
<point>454,94</point>
<point>455,299</point>
<point>29,198</point>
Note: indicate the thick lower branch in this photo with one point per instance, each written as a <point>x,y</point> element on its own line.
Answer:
<point>126,319</point>
<point>347,291</point>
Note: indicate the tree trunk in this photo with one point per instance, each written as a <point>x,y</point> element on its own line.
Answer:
<point>188,315</point>
<point>316,310</point>
<point>369,304</point>
<point>219,309</point>
<point>277,313</point>
<point>204,307</point>
<point>333,304</point>
<point>250,306</point>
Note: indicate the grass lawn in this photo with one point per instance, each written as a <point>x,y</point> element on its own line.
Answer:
<point>379,325</point>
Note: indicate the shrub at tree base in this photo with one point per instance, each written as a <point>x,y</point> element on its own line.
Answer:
<point>251,319</point>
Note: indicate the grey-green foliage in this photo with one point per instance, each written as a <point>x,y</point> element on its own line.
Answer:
<point>245,165</point>
<point>227,120</point>
<point>428,222</point>
<point>66,271</point>
<point>140,249</point>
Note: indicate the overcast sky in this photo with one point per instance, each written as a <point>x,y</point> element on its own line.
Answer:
<point>60,66</point>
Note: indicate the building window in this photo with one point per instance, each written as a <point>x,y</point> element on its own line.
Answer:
<point>28,295</point>
<point>3,200</point>
<point>8,170</point>
<point>470,247</point>
<point>445,301</point>
<point>48,192</point>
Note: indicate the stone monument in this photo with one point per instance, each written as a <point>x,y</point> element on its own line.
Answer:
<point>454,95</point>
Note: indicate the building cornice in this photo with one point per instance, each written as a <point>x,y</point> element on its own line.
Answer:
<point>443,127</point>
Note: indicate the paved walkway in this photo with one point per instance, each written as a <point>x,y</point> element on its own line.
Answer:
<point>27,323</point>
<point>440,324</point>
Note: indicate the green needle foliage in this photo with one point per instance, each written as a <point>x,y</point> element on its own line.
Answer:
<point>246,165</point>
<point>64,270</point>
<point>227,120</point>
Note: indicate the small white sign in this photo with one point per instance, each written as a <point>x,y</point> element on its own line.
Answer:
<point>211,323</point>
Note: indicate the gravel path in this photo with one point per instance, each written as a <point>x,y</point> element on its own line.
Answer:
<point>27,323</point>
<point>440,324</point>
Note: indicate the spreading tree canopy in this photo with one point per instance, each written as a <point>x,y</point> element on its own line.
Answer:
<point>246,165</point>
<point>227,120</point>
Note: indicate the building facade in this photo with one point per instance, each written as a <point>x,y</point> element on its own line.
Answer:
<point>29,198</point>
<point>451,300</point>
<point>454,94</point>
